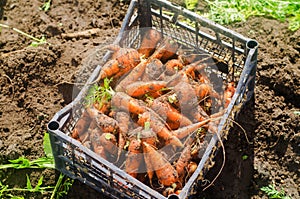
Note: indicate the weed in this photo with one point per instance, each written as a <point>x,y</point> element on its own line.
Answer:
<point>63,183</point>
<point>225,12</point>
<point>46,6</point>
<point>35,41</point>
<point>5,190</point>
<point>273,193</point>
<point>245,157</point>
<point>100,94</point>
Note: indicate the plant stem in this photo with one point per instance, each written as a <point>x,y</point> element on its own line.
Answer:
<point>22,33</point>
<point>59,181</point>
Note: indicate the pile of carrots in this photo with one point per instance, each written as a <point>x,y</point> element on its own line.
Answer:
<point>154,112</point>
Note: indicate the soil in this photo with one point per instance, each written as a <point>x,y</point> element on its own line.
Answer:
<point>36,82</point>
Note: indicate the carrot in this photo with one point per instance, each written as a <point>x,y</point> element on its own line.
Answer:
<point>134,158</point>
<point>182,163</point>
<point>166,50</point>
<point>140,88</point>
<point>153,70</point>
<point>191,167</point>
<point>149,167</point>
<point>96,145</point>
<point>173,65</point>
<point>109,69</point>
<point>197,114</point>
<point>133,75</point>
<point>186,96</point>
<point>149,42</point>
<point>123,120</point>
<point>99,150</point>
<point>81,125</point>
<point>149,136</point>
<point>104,122</point>
<point>109,142</point>
<point>228,93</point>
<point>204,90</point>
<point>158,127</point>
<point>168,111</point>
<point>124,102</point>
<point>123,60</point>
<point>165,172</point>
<point>102,106</point>
<point>185,131</point>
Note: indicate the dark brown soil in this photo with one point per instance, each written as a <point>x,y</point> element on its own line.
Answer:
<point>36,82</point>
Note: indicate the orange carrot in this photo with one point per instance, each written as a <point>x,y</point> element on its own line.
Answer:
<point>205,90</point>
<point>182,163</point>
<point>173,65</point>
<point>134,158</point>
<point>165,110</point>
<point>149,167</point>
<point>123,60</point>
<point>123,120</point>
<point>133,75</point>
<point>104,122</point>
<point>165,172</point>
<point>185,131</point>
<point>158,127</point>
<point>124,102</point>
<point>166,50</point>
<point>140,88</point>
<point>81,125</point>
<point>149,42</point>
<point>228,93</point>
<point>191,167</point>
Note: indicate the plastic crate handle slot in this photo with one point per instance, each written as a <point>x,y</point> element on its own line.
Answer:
<point>53,125</point>
<point>173,196</point>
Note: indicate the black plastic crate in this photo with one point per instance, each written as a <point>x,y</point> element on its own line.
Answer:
<point>239,59</point>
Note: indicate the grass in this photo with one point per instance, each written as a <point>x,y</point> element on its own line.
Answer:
<point>61,188</point>
<point>46,6</point>
<point>229,11</point>
<point>272,192</point>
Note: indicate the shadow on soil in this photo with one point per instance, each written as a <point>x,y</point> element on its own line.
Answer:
<point>235,181</point>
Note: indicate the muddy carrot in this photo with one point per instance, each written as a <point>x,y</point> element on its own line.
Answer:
<point>123,120</point>
<point>81,125</point>
<point>134,158</point>
<point>160,128</point>
<point>122,61</point>
<point>166,50</point>
<point>173,66</point>
<point>165,172</point>
<point>134,75</point>
<point>197,114</point>
<point>204,90</point>
<point>140,88</point>
<point>228,93</point>
<point>124,102</point>
<point>109,142</point>
<point>149,167</point>
<point>153,70</point>
<point>100,151</point>
<point>104,122</point>
<point>149,42</point>
<point>182,163</point>
<point>164,109</point>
